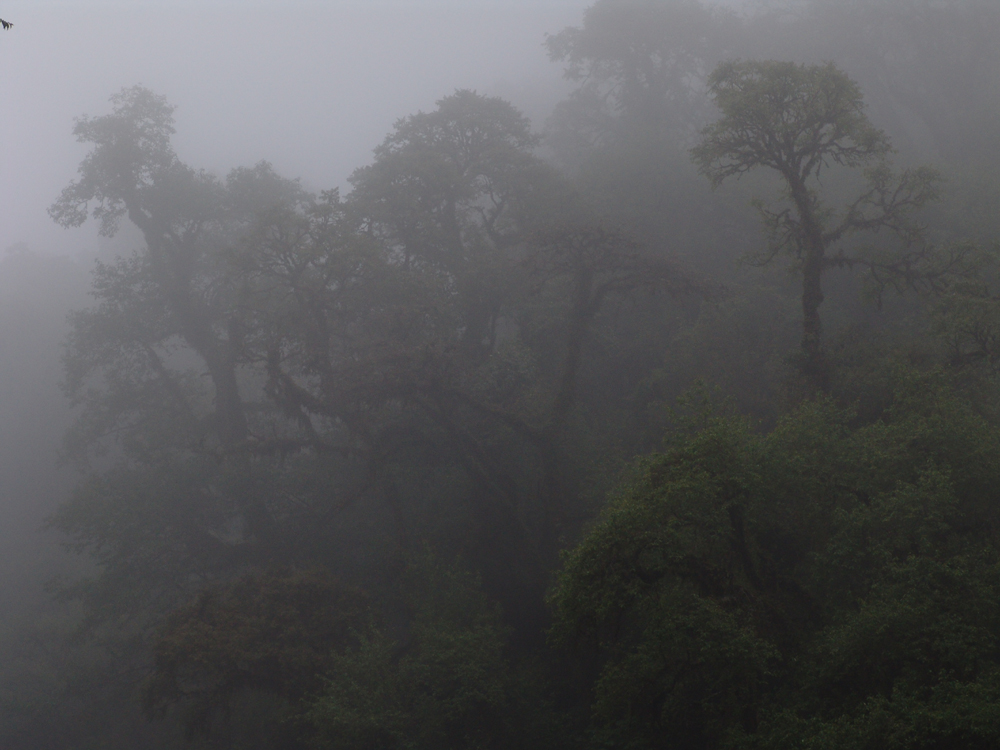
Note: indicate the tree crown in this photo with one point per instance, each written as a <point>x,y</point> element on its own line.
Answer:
<point>131,146</point>
<point>796,119</point>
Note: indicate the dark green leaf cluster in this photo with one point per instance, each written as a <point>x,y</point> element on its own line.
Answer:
<point>449,684</point>
<point>819,585</point>
<point>272,632</point>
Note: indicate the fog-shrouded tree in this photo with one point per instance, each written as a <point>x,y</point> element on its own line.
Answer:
<point>284,379</point>
<point>455,192</point>
<point>167,310</point>
<point>515,268</point>
<point>335,449</point>
<point>639,68</point>
<point>801,121</point>
<point>271,633</point>
<point>638,71</point>
<point>450,686</point>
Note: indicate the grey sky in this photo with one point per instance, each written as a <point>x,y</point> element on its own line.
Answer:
<point>310,86</point>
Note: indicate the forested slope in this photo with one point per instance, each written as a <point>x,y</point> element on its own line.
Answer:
<point>672,423</point>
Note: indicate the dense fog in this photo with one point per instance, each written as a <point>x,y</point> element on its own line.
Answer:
<point>424,374</point>
<point>312,87</point>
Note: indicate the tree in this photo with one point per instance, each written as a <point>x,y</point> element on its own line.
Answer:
<point>799,120</point>
<point>639,68</point>
<point>160,367</point>
<point>465,208</point>
<point>823,585</point>
<point>638,71</point>
<point>453,191</point>
<point>270,633</point>
<point>175,303</point>
<point>666,586</point>
<point>170,367</point>
<point>590,265</point>
<point>133,173</point>
<point>448,685</point>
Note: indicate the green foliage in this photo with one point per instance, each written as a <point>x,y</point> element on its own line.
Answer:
<point>657,584</point>
<point>792,118</point>
<point>469,346</point>
<point>796,587</point>
<point>274,633</point>
<point>965,317</point>
<point>799,121</point>
<point>447,685</point>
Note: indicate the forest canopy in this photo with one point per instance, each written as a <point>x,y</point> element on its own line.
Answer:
<point>526,438</point>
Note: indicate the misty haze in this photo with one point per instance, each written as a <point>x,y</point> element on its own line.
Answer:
<point>425,374</point>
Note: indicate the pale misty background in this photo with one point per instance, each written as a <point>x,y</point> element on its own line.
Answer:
<point>311,87</point>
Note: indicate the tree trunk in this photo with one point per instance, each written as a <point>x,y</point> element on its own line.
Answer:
<point>814,365</point>
<point>172,270</point>
<point>813,253</point>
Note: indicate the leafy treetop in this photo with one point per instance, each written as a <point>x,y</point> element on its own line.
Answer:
<point>798,120</point>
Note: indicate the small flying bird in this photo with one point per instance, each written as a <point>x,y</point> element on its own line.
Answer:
<point>6,24</point>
